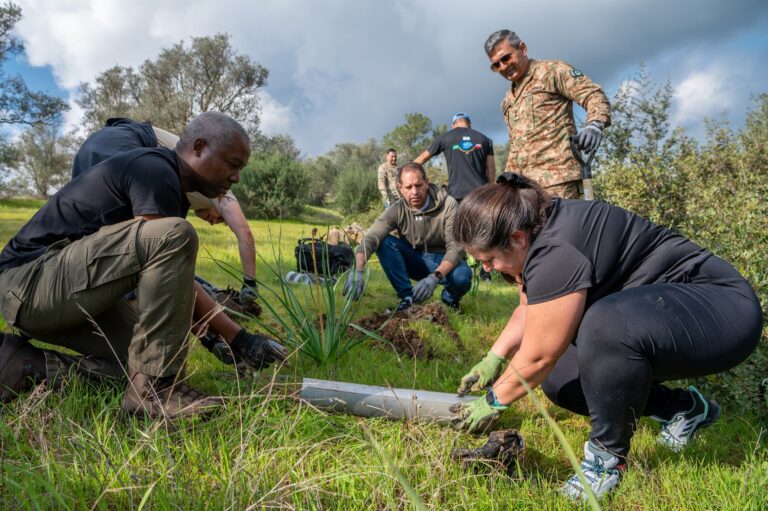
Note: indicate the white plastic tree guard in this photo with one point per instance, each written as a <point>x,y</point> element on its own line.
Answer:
<point>374,401</point>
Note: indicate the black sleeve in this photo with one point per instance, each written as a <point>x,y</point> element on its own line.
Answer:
<point>437,146</point>
<point>489,146</point>
<point>154,187</point>
<point>554,270</point>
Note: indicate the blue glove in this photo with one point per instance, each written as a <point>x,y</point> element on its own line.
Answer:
<point>476,417</point>
<point>356,282</point>
<point>590,136</point>
<point>424,288</point>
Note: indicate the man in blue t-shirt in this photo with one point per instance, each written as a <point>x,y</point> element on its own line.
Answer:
<point>119,227</point>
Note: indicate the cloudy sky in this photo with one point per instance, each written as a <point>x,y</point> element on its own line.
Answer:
<point>348,70</point>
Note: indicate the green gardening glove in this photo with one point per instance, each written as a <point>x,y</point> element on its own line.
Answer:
<point>482,374</point>
<point>477,416</point>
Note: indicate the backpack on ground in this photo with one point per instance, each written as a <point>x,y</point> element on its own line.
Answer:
<point>317,256</point>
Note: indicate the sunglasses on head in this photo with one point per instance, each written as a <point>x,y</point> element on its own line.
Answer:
<point>505,59</point>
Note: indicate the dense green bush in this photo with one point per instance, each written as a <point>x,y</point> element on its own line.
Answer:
<point>715,194</point>
<point>356,190</point>
<point>271,186</point>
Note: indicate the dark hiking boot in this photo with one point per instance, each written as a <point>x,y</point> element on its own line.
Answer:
<point>163,397</point>
<point>21,367</point>
<point>404,304</point>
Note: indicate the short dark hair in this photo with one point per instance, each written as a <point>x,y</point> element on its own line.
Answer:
<point>411,166</point>
<point>489,215</point>
<point>215,128</point>
<point>498,36</point>
<point>391,150</point>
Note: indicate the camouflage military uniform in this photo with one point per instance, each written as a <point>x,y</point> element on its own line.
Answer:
<point>539,114</point>
<point>388,183</point>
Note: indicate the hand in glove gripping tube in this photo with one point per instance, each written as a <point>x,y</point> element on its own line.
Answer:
<point>424,288</point>
<point>257,351</point>
<point>479,416</point>
<point>482,374</point>
<point>355,284</point>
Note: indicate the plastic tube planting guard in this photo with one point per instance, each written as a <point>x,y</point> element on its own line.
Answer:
<point>373,401</point>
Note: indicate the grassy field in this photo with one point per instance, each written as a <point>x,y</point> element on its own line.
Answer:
<point>73,449</point>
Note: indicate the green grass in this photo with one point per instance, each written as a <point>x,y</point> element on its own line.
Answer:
<point>73,449</point>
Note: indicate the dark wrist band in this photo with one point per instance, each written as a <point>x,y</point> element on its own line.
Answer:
<point>491,399</point>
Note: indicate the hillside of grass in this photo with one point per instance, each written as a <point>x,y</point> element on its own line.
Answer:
<point>74,449</point>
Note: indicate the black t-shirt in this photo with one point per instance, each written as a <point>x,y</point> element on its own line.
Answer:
<point>604,249</point>
<point>142,181</point>
<point>117,136</point>
<point>465,152</point>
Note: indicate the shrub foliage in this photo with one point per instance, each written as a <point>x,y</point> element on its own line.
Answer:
<point>356,190</point>
<point>271,186</point>
<point>714,193</point>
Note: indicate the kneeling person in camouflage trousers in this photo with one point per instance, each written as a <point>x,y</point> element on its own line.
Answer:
<point>424,250</point>
<point>121,227</point>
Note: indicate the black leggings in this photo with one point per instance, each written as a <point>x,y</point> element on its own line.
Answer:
<point>632,340</point>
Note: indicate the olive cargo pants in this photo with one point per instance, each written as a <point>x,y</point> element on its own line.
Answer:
<point>73,296</point>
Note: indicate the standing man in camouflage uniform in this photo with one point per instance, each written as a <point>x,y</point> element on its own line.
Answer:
<point>538,110</point>
<point>388,179</point>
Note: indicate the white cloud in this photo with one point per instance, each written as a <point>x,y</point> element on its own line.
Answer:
<point>702,93</point>
<point>276,118</point>
<point>345,70</point>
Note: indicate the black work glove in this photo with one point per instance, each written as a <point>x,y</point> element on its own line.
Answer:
<point>257,351</point>
<point>590,136</point>
<point>218,347</point>
<point>249,292</point>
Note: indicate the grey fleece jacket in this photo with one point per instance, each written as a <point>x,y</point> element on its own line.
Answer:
<point>425,231</point>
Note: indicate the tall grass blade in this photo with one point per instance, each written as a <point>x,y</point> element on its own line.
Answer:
<point>413,495</point>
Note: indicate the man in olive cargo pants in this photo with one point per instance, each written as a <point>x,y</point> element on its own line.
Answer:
<point>120,227</point>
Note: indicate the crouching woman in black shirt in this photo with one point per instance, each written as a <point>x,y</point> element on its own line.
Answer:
<point>611,305</point>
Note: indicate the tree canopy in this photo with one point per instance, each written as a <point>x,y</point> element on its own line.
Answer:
<point>182,82</point>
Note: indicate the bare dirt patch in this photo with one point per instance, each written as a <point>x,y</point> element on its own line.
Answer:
<point>398,329</point>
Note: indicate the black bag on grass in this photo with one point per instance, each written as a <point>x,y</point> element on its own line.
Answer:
<point>331,259</point>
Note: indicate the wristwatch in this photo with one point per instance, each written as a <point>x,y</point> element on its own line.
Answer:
<point>438,275</point>
<point>492,400</point>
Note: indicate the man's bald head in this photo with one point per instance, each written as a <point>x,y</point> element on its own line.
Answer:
<point>213,127</point>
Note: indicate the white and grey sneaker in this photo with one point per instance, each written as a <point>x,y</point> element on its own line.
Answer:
<point>678,432</point>
<point>601,469</point>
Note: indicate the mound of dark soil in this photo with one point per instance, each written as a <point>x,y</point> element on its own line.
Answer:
<point>405,340</point>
